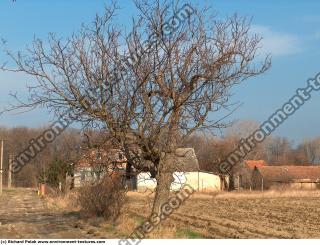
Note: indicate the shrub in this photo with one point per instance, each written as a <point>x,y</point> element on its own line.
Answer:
<point>104,199</point>
<point>55,173</point>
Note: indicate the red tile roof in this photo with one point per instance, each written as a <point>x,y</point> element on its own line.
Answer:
<point>255,163</point>
<point>96,157</point>
<point>290,173</point>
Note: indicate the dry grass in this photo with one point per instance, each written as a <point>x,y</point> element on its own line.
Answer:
<point>271,214</point>
<point>125,223</point>
<point>63,202</point>
<point>269,194</point>
<point>243,214</point>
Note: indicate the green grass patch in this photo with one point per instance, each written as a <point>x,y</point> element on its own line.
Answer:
<point>110,228</point>
<point>8,190</point>
<point>139,219</point>
<point>185,233</point>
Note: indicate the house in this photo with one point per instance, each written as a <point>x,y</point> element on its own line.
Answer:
<point>296,177</point>
<point>95,163</point>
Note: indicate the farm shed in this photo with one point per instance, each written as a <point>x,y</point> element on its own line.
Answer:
<point>255,163</point>
<point>186,171</point>
<point>242,173</point>
<point>96,163</point>
<point>295,177</point>
<point>185,162</point>
<point>200,181</point>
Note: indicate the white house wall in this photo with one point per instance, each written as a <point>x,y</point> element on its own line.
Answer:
<point>83,176</point>
<point>200,181</point>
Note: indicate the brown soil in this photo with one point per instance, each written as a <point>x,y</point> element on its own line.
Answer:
<point>23,214</point>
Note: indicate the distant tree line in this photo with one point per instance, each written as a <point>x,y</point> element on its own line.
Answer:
<point>275,150</point>
<point>52,165</point>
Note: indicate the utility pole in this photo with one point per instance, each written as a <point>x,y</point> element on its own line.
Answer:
<point>1,166</point>
<point>11,157</point>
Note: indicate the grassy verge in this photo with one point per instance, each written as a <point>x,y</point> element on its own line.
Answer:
<point>186,233</point>
<point>9,190</point>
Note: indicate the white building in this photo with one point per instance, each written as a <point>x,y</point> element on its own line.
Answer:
<point>199,181</point>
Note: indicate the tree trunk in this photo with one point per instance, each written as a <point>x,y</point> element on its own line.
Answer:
<point>164,179</point>
<point>231,182</point>
<point>165,170</point>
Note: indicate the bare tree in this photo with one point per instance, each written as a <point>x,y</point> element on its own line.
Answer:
<point>279,151</point>
<point>17,139</point>
<point>150,88</point>
<point>312,150</point>
<point>243,129</point>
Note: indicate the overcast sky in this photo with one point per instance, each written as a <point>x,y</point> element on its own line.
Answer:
<point>291,31</point>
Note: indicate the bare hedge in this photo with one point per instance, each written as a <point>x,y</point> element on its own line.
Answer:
<point>104,199</point>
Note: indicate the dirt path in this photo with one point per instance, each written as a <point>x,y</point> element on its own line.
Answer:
<point>23,214</point>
